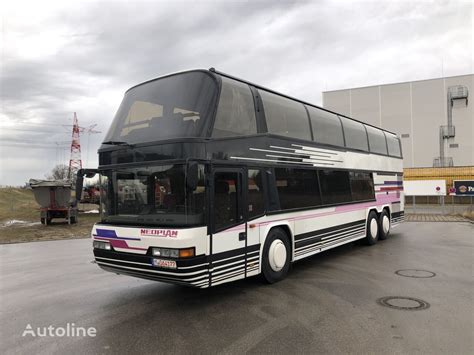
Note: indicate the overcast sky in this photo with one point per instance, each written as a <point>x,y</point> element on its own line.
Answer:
<point>64,57</point>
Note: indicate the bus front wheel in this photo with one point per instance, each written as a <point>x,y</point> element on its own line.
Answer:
<point>372,228</point>
<point>276,256</point>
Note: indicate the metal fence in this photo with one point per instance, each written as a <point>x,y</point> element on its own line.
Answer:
<point>439,204</point>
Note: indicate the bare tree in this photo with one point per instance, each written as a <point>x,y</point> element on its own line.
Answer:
<point>59,172</point>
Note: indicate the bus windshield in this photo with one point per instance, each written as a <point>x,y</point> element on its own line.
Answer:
<point>176,106</point>
<point>154,195</point>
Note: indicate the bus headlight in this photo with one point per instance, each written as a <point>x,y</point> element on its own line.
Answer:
<point>173,253</point>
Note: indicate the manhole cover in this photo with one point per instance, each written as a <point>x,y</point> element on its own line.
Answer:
<point>419,274</point>
<point>404,303</point>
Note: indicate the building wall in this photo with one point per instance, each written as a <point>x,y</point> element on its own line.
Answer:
<point>414,110</point>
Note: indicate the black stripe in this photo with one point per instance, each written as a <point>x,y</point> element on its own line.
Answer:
<point>233,252</point>
<point>329,240</point>
<point>146,259</point>
<point>149,276</point>
<point>318,232</point>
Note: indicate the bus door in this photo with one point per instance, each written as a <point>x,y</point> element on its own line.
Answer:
<point>228,224</point>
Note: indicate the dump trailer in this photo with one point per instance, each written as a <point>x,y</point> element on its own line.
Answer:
<point>54,197</point>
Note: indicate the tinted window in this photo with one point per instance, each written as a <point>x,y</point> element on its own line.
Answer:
<point>327,128</point>
<point>362,186</point>
<point>297,188</point>
<point>171,107</point>
<point>255,193</point>
<point>226,208</point>
<point>335,186</point>
<point>235,113</point>
<point>285,117</point>
<point>355,134</point>
<point>393,145</point>
<point>377,142</point>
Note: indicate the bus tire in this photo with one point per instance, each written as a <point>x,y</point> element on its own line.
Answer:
<point>384,225</point>
<point>372,229</point>
<point>276,256</point>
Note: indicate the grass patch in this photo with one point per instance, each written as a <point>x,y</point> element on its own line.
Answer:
<point>20,205</point>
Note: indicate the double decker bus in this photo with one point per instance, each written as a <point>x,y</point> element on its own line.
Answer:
<point>206,178</point>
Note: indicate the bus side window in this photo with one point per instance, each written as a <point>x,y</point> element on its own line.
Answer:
<point>236,112</point>
<point>256,202</point>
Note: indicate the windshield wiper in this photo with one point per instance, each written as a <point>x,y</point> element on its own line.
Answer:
<point>117,143</point>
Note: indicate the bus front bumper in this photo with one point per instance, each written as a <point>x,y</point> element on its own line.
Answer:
<point>190,271</point>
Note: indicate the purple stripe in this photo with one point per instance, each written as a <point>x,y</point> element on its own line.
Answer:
<point>110,234</point>
<point>398,182</point>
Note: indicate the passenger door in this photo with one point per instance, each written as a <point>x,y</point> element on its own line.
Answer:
<point>228,226</point>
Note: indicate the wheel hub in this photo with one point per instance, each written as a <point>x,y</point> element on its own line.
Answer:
<point>373,228</point>
<point>277,255</point>
<point>385,224</point>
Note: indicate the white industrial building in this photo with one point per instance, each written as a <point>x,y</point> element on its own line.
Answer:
<point>434,117</point>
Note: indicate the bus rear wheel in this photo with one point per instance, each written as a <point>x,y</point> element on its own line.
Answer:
<point>384,225</point>
<point>276,256</point>
<point>372,228</point>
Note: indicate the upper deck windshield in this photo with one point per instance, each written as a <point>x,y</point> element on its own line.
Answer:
<point>176,106</point>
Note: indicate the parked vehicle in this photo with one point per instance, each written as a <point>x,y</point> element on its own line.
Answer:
<point>54,197</point>
<point>206,179</point>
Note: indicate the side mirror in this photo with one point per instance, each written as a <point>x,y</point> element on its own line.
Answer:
<point>79,184</point>
<point>89,173</point>
<point>192,175</point>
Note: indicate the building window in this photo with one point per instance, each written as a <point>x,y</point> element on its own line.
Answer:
<point>377,143</point>
<point>256,201</point>
<point>335,186</point>
<point>362,186</point>
<point>236,112</point>
<point>297,188</point>
<point>327,128</point>
<point>285,117</point>
<point>355,134</point>
<point>393,144</point>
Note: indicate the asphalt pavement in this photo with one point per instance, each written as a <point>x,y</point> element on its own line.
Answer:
<point>327,304</point>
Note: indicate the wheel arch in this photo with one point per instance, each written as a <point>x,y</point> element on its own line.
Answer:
<point>287,227</point>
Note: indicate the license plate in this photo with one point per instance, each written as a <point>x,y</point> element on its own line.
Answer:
<point>168,264</point>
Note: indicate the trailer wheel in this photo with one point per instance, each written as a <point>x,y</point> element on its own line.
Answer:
<point>276,256</point>
<point>73,219</point>
<point>43,221</point>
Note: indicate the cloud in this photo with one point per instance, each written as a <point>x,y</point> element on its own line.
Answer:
<point>65,57</point>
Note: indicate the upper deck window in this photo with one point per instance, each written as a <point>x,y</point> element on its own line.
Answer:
<point>285,117</point>
<point>172,107</point>
<point>376,140</point>
<point>355,134</point>
<point>327,128</point>
<point>236,112</point>
<point>393,144</point>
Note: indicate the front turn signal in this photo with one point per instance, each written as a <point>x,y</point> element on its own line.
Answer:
<point>186,253</point>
